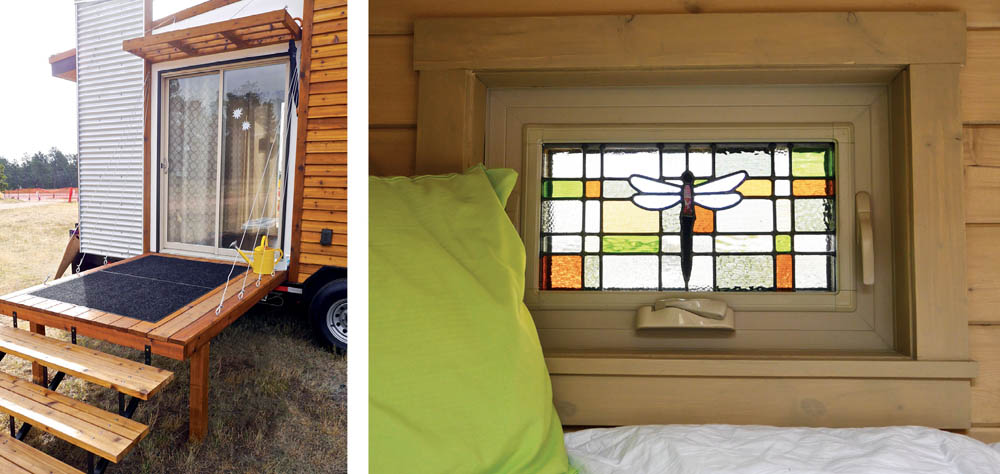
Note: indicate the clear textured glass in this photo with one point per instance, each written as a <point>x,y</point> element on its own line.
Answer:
<point>815,243</point>
<point>671,244</point>
<point>744,272</point>
<point>814,215</point>
<point>701,274</point>
<point>674,161</point>
<point>622,163</point>
<point>192,159</point>
<point>783,215</point>
<point>671,275</point>
<point>782,187</point>
<point>593,224</point>
<point>623,217</point>
<point>743,244</point>
<point>565,164</point>
<point>252,153</point>
<point>628,272</point>
<point>670,219</point>
<point>594,164</point>
<point>812,272</point>
<point>782,163</point>
<point>754,159</point>
<point>700,160</point>
<point>566,244</point>
<point>592,244</point>
<point>750,215</point>
<point>701,243</point>
<point>562,216</point>
<point>614,188</point>
<point>591,271</point>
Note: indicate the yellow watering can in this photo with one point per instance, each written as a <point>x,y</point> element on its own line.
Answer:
<point>264,258</point>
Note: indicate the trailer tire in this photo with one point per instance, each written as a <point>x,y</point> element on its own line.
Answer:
<point>328,313</point>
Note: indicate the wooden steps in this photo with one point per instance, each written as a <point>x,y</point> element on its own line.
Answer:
<point>126,376</point>
<point>105,434</point>
<point>19,458</point>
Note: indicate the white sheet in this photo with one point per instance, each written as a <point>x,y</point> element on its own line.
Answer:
<point>714,449</point>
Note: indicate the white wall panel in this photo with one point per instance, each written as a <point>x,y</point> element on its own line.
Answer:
<point>109,92</point>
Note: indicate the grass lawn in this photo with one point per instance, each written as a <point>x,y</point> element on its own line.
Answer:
<point>277,401</point>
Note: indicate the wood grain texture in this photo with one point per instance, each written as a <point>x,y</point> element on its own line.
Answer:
<point>392,91</point>
<point>17,457</point>
<point>980,94</point>
<point>198,395</point>
<point>981,144</point>
<point>584,400</point>
<point>985,349</point>
<point>983,273</point>
<point>940,303</point>
<point>640,41</point>
<point>984,434</point>
<point>394,17</point>
<point>452,104</point>
<point>105,434</point>
<point>392,151</point>
<point>982,195</point>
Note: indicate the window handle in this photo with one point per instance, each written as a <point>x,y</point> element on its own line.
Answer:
<point>863,206</point>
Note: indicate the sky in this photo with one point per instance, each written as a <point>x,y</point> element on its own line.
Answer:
<point>37,110</point>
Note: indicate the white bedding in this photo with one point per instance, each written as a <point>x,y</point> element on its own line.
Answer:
<point>714,449</point>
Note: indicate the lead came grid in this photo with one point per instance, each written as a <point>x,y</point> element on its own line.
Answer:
<point>780,237</point>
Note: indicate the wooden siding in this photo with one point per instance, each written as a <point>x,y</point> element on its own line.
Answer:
<point>321,155</point>
<point>393,117</point>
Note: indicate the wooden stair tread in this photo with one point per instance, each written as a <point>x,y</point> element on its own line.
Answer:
<point>105,434</point>
<point>126,376</point>
<point>17,457</point>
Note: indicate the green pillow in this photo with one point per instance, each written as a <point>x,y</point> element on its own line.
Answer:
<point>457,381</point>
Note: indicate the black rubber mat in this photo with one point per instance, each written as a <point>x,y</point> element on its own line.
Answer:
<point>148,288</point>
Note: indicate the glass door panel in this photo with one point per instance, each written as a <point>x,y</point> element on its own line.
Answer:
<point>191,165</point>
<point>252,154</point>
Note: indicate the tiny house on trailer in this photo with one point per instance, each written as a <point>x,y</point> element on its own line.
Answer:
<point>210,139</point>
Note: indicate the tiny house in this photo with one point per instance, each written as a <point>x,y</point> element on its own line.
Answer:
<point>213,169</point>
<point>167,171</point>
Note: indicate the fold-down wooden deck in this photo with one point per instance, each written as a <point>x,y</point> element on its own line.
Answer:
<point>183,335</point>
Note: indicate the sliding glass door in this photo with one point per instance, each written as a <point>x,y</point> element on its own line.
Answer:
<point>222,158</point>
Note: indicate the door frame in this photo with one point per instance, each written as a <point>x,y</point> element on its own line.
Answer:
<point>275,54</point>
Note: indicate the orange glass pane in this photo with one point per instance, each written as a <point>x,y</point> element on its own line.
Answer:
<point>784,271</point>
<point>566,271</point>
<point>704,220</point>
<point>812,187</point>
<point>755,187</point>
<point>593,189</point>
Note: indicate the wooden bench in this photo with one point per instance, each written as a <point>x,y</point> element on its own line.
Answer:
<point>127,376</point>
<point>19,458</point>
<point>105,434</point>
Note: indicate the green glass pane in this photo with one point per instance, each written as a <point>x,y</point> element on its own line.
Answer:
<point>783,243</point>
<point>563,189</point>
<point>812,161</point>
<point>546,189</point>
<point>631,243</point>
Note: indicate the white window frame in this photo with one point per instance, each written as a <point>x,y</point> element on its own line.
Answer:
<point>520,121</point>
<point>243,56</point>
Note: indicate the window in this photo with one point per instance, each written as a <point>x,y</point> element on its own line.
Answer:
<point>762,217</point>
<point>222,156</point>
<point>781,249</point>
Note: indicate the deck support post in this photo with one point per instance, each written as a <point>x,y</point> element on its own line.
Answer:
<point>198,427</point>
<point>39,373</point>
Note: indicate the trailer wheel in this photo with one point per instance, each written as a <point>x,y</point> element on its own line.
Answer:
<point>328,312</point>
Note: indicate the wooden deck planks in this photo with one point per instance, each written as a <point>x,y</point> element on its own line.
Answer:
<point>206,327</point>
<point>105,434</point>
<point>19,457</point>
<point>126,376</point>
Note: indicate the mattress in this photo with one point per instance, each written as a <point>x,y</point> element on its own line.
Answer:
<point>714,449</point>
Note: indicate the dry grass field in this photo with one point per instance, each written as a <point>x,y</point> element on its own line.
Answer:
<point>277,401</point>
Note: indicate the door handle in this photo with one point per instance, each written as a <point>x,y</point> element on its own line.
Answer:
<point>863,207</point>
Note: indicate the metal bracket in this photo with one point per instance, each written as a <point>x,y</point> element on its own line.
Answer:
<point>149,355</point>
<point>72,334</point>
<point>15,318</point>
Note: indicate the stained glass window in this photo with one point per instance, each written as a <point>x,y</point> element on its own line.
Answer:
<point>689,217</point>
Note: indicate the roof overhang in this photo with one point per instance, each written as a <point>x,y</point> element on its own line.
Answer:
<point>64,65</point>
<point>240,33</point>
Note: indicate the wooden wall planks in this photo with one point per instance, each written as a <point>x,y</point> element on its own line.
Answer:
<point>324,158</point>
<point>393,110</point>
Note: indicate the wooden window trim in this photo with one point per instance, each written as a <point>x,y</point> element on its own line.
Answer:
<point>918,55</point>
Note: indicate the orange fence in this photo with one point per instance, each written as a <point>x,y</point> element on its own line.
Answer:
<point>38,194</point>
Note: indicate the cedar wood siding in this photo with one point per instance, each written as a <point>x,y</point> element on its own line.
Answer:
<point>322,140</point>
<point>393,117</point>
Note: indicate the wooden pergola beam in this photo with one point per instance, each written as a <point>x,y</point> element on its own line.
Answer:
<point>136,45</point>
<point>183,48</point>
<point>234,39</point>
<point>190,12</point>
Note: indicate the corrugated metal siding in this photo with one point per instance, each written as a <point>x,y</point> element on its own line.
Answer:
<point>109,127</point>
<point>324,194</point>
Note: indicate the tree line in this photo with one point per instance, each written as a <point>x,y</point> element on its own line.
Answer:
<point>54,169</point>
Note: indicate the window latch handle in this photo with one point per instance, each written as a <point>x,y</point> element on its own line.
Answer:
<point>863,207</point>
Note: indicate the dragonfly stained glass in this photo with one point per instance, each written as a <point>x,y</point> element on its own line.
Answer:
<point>689,217</point>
